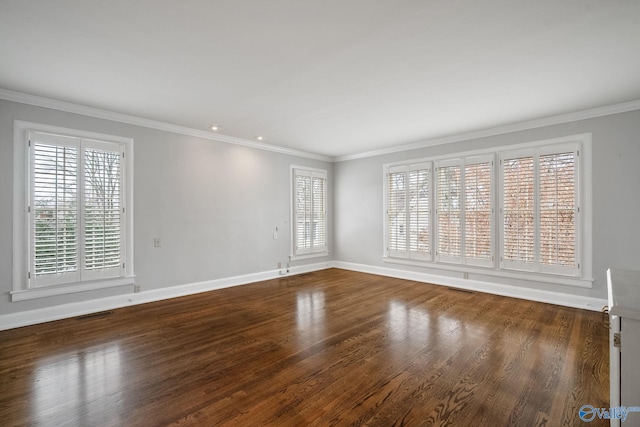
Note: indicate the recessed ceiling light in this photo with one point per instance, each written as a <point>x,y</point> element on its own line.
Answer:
<point>259,138</point>
<point>214,127</point>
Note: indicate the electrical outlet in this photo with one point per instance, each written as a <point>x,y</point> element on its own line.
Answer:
<point>157,242</point>
<point>466,275</point>
<point>136,289</point>
<point>279,265</point>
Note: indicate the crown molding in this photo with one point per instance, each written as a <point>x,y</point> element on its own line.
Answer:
<point>84,110</point>
<point>499,130</point>
<point>69,107</point>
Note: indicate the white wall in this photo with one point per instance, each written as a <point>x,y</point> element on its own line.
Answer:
<point>616,200</point>
<point>214,205</point>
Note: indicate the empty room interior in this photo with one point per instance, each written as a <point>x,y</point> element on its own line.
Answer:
<point>299,213</point>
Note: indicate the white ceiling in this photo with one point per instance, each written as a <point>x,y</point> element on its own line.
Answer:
<point>332,77</point>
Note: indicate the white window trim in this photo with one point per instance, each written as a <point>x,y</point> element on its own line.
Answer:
<point>21,289</point>
<point>583,189</point>
<point>322,251</point>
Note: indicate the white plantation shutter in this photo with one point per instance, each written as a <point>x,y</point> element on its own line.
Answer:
<point>102,209</point>
<point>75,205</point>
<point>449,212</point>
<point>397,211</point>
<point>540,210</point>
<point>54,209</point>
<point>518,204</point>
<point>303,212</point>
<point>408,199</point>
<point>319,203</point>
<point>419,211</point>
<point>527,211</point>
<point>557,211</point>
<point>464,213</point>
<point>478,230</point>
<point>310,211</point>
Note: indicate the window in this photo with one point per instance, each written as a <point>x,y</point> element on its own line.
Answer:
<point>478,211</point>
<point>77,231</point>
<point>464,213</point>
<point>409,211</point>
<point>449,201</point>
<point>536,190</point>
<point>518,204</point>
<point>540,210</point>
<point>309,199</point>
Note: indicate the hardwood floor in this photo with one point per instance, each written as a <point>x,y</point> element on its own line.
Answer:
<point>328,348</point>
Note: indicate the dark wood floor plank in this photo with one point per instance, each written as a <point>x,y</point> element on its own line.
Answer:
<point>330,348</point>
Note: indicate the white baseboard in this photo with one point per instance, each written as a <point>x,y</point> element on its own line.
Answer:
<point>567,300</point>
<point>48,314</point>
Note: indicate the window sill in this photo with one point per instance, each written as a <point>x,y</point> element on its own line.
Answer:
<point>309,256</point>
<point>49,291</point>
<point>506,274</point>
